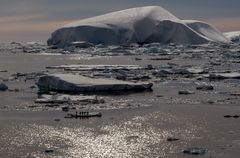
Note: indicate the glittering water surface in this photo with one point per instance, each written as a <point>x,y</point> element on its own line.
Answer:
<point>141,123</point>
<point>139,136</point>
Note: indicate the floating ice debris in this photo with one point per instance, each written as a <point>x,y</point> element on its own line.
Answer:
<point>162,73</point>
<point>95,67</point>
<point>137,59</point>
<point>235,93</point>
<point>120,72</point>
<point>194,70</point>
<point>205,87</point>
<point>77,83</point>
<point>3,70</point>
<point>132,139</point>
<point>3,87</point>
<point>178,71</point>
<point>215,63</point>
<point>219,76</point>
<point>27,76</point>
<point>195,151</point>
<point>14,90</point>
<point>162,58</point>
<point>49,150</point>
<point>209,101</point>
<point>145,25</point>
<point>187,71</point>
<point>63,98</point>
<point>65,108</point>
<point>185,92</point>
<point>170,139</point>
<point>152,50</point>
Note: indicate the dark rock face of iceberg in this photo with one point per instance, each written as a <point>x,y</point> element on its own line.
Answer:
<point>137,25</point>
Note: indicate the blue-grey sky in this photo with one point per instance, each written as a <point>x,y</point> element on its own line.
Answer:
<point>34,20</point>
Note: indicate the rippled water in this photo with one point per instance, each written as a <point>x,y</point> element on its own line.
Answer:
<point>140,136</point>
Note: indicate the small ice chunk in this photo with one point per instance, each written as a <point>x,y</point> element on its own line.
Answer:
<point>95,67</point>
<point>205,87</point>
<point>3,70</point>
<point>185,92</point>
<point>3,87</point>
<point>195,151</point>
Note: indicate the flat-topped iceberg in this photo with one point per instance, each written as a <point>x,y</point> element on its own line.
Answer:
<point>137,25</point>
<point>78,83</point>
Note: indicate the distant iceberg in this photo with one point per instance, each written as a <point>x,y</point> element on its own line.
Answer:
<point>233,36</point>
<point>137,25</point>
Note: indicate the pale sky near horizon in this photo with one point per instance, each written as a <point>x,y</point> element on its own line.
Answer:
<point>34,20</point>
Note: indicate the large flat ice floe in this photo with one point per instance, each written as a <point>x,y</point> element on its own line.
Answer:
<point>77,83</point>
<point>137,25</point>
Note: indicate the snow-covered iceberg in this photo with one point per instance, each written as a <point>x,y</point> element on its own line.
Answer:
<point>137,25</point>
<point>78,83</point>
<point>233,36</point>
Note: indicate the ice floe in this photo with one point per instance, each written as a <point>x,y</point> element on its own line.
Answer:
<point>78,83</point>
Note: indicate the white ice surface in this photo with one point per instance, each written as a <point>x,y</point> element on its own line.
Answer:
<point>78,83</point>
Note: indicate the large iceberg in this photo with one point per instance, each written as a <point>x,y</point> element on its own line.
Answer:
<point>137,25</point>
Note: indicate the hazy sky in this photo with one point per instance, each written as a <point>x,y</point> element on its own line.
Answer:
<point>34,20</point>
